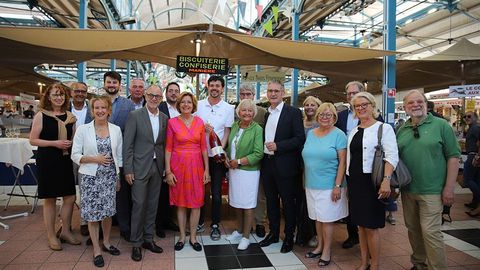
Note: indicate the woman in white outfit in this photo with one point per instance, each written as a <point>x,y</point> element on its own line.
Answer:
<point>245,151</point>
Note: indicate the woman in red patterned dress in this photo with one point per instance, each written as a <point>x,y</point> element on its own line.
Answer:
<point>186,166</point>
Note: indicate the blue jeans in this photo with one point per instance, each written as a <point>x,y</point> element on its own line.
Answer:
<point>471,178</point>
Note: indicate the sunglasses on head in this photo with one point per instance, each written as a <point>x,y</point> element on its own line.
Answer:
<point>416,134</point>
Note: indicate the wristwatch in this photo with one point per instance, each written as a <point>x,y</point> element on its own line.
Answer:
<point>388,177</point>
<point>239,162</point>
<point>338,186</point>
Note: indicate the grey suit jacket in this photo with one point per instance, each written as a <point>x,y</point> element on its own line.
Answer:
<point>139,146</point>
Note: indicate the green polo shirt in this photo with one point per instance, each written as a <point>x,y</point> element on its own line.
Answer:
<point>426,157</point>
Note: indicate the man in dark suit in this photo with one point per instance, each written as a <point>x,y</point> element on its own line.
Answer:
<point>164,213</point>
<point>121,106</point>
<point>143,161</point>
<point>284,138</point>
<point>346,122</point>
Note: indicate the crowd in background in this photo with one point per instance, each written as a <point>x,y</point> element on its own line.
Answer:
<point>135,158</point>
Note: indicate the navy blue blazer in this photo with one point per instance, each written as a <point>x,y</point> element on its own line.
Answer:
<point>164,108</point>
<point>289,138</point>
<point>121,107</point>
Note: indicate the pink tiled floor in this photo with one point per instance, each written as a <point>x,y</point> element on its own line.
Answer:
<point>25,247</point>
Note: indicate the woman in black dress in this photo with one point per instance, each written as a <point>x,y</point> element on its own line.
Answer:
<point>366,203</point>
<point>52,131</point>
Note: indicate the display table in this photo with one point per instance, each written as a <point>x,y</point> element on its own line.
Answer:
<point>16,152</point>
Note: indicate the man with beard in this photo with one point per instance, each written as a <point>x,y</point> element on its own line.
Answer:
<point>218,116</point>
<point>137,89</point>
<point>429,148</point>
<point>121,106</point>
<point>164,213</point>
<point>80,108</point>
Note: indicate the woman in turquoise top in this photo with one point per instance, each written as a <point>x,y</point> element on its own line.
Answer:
<point>324,155</point>
<point>245,151</point>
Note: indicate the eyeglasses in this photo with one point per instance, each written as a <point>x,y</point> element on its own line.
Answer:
<point>273,91</point>
<point>78,91</point>
<point>467,116</point>
<point>361,106</point>
<point>416,134</point>
<point>326,115</point>
<point>57,95</point>
<point>152,96</point>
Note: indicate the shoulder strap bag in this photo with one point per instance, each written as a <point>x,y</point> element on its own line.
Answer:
<point>401,176</point>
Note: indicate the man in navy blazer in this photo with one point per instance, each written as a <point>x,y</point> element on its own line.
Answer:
<point>284,138</point>
<point>121,107</point>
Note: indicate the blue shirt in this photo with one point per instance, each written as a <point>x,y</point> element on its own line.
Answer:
<point>321,159</point>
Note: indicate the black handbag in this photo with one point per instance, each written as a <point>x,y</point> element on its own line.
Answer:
<point>401,175</point>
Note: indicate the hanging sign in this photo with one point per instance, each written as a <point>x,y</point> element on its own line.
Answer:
<point>198,64</point>
<point>470,105</point>
<point>263,76</point>
<point>470,90</point>
<point>391,92</point>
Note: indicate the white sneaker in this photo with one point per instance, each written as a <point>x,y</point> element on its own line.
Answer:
<point>244,243</point>
<point>234,236</point>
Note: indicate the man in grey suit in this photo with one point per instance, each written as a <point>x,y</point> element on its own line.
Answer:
<point>121,106</point>
<point>143,164</point>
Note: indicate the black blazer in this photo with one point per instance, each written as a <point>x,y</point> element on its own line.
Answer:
<point>343,118</point>
<point>164,108</point>
<point>289,138</point>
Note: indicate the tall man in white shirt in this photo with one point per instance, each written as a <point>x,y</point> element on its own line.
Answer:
<point>164,220</point>
<point>79,108</point>
<point>137,89</point>
<point>218,116</point>
<point>144,163</point>
<point>284,139</point>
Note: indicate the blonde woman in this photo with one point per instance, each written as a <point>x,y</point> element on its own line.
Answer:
<point>324,155</point>
<point>367,210</point>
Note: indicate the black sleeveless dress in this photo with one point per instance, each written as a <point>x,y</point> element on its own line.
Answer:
<point>55,170</point>
<point>366,210</point>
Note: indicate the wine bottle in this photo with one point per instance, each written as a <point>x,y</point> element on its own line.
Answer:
<point>216,147</point>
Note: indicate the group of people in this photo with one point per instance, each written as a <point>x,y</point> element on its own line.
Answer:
<point>136,158</point>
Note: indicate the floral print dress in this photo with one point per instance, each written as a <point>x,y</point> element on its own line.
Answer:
<point>97,200</point>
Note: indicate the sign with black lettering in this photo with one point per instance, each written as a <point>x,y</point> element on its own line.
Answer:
<point>198,64</point>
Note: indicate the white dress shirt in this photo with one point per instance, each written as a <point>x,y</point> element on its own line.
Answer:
<point>351,122</point>
<point>155,122</point>
<point>220,116</point>
<point>172,111</point>
<point>271,126</point>
<point>80,114</point>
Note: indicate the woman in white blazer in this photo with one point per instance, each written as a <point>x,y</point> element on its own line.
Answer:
<point>366,204</point>
<point>97,149</point>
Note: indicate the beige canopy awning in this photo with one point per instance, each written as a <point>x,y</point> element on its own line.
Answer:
<point>21,49</point>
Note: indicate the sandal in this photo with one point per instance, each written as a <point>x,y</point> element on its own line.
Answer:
<point>313,255</point>
<point>98,261</point>
<point>179,245</point>
<point>112,250</point>
<point>323,263</point>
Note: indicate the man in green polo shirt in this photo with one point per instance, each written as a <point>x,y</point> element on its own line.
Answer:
<point>429,148</point>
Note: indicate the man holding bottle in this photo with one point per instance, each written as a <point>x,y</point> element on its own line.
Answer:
<point>218,116</point>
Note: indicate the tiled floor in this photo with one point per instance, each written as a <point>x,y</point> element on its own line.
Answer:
<point>24,246</point>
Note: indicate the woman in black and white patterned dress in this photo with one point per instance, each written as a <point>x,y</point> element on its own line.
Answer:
<point>97,148</point>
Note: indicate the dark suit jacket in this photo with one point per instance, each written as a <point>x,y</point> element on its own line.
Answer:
<point>343,118</point>
<point>164,108</point>
<point>289,138</point>
<point>139,145</point>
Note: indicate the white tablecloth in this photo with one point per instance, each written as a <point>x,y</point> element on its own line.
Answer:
<point>15,151</point>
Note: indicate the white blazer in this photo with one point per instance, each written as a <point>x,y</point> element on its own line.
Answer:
<point>85,144</point>
<point>370,140</point>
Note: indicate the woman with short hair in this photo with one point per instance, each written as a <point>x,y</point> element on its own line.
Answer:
<point>97,149</point>
<point>244,151</point>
